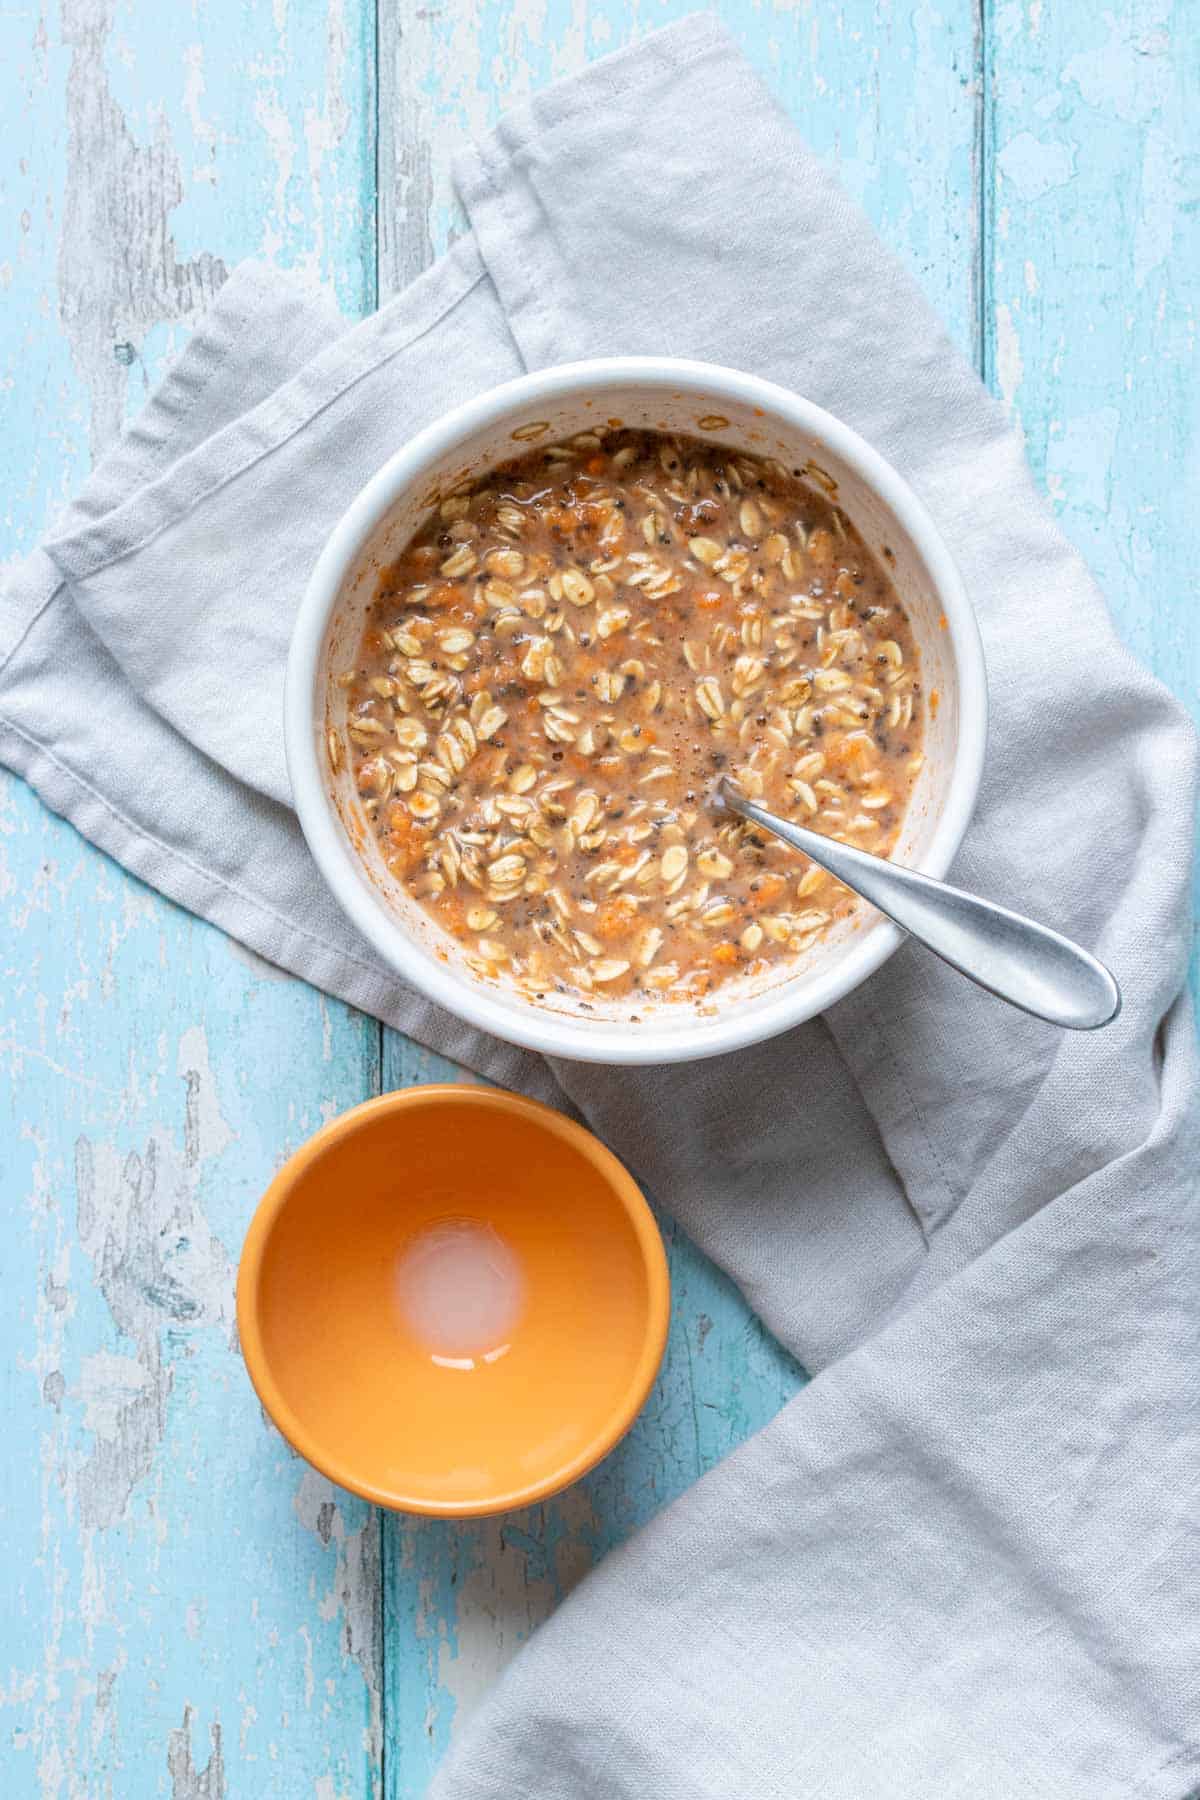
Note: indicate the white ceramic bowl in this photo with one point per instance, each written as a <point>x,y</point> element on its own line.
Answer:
<point>701,401</point>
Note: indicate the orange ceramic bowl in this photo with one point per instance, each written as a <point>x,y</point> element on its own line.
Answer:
<point>527,1358</point>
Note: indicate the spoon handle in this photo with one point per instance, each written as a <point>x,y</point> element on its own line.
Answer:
<point>1026,964</point>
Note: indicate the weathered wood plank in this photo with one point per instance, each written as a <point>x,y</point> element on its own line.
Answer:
<point>190,1611</point>
<point>176,1561</point>
<point>892,99</point>
<point>1093,253</point>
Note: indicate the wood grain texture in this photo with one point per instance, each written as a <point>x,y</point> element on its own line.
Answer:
<point>1093,255</point>
<point>192,1612</point>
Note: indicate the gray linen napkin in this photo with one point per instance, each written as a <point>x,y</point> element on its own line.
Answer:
<point>964,1560</point>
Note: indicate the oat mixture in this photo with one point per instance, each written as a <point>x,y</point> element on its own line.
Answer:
<point>563,660</point>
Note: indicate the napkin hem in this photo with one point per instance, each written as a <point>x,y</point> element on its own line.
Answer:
<point>34,585</point>
<point>204,355</point>
<point>23,597</point>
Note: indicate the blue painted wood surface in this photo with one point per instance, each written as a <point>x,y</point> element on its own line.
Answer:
<point>190,1612</point>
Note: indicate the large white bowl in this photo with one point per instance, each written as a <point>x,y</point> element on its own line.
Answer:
<point>703,401</point>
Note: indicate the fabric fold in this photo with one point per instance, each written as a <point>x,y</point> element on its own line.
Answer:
<point>190,509</point>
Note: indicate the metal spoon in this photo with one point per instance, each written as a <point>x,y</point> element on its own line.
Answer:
<point>1028,965</point>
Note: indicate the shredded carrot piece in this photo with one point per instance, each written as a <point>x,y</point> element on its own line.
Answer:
<point>614,918</point>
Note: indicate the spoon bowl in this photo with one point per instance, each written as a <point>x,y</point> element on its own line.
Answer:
<point>1030,966</point>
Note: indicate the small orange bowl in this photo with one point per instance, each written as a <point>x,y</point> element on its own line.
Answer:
<point>453,1301</point>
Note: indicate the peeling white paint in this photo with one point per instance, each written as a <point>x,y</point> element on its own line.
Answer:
<point>118,272</point>
<point>188,1782</point>
<point>1165,195</point>
<point>1079,459</point>
<point>1035,167</point>
<point>107,1385</point>
<point>309,1677</point>
<point>50,1316</point>
<point>1009,367</point>
<point>273,118</point>
<point>325,126</point>
<point>499,1603</point>
<point>354,1595</point>
<point>206,1134</point>
<point>326,1789</point>
<point>158,1265</point>
<point>1128,77</point>
<point>203,129</point>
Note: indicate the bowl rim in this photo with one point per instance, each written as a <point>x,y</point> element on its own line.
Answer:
<point>619,1181</point>
<point>614,1042</point>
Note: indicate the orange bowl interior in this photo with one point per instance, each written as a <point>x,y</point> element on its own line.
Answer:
<point>338,1355</point>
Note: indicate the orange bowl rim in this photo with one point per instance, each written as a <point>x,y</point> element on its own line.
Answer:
<point>619,1181</point>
